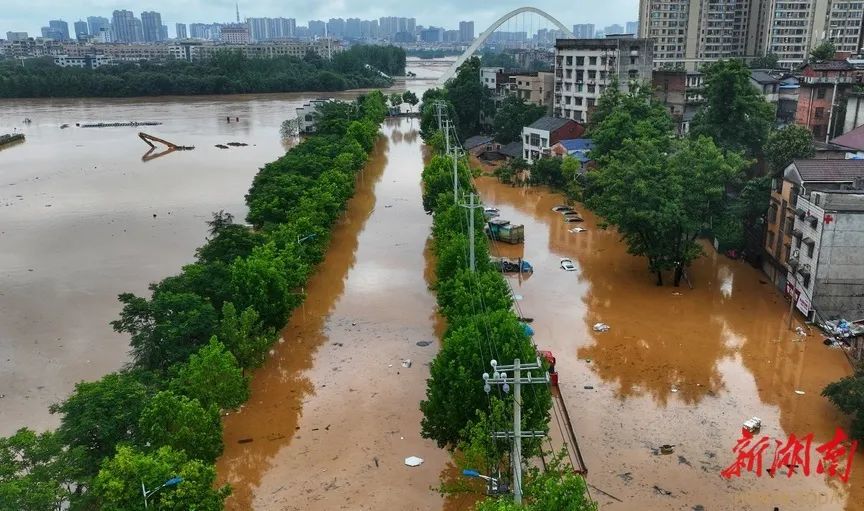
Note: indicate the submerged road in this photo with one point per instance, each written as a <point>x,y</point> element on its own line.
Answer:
<point>334,412</point>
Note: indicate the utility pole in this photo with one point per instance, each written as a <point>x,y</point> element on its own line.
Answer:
<point>831,114</point>
<point>499,377</point>
<point>447,136</point>
<point>438,106</point>
<point>471,235</point>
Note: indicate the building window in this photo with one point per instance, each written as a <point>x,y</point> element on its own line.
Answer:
<point>770,239</point>
<point>806,281</point>
<point>592,74</point>
<point>810,248</point>
<point>820,92</point>
<point>819,112</point>
<point>580,61</point>
<point>569,60</point>
<point>592,61</point>
<point>591,88</point>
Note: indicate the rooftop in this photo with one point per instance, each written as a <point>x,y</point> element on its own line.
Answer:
<point>476,141</point>
<point>830,65</point>
<point>513,149</point>
<point>549,123</point>
<point>853,139</point>
<point>827,171</point>
<point>577,144</point>
<point>763,77</point>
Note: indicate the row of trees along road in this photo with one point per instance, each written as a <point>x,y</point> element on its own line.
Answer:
<point>481,326</point>
<point>193,340</point>
<point>228,72</point>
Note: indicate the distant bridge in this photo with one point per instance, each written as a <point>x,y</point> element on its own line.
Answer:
<point>485,35</point>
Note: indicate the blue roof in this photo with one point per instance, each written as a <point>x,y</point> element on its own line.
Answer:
<point>577,144</point>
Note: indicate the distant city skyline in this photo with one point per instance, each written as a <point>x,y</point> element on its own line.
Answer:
<point>31,16</point>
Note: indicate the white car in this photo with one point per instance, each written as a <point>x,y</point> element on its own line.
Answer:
<point>561,208</point>
<point>567,265</point>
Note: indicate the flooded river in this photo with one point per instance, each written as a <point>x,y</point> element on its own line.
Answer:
<point>83,218</point>
<point>678,366</point>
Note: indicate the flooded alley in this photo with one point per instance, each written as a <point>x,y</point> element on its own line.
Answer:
<point>678,366</point>
<point>335,411</point>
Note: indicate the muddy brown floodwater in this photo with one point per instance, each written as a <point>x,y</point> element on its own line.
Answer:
<point>334,412</point>
<point>678,366</point>
<point>83,218</point>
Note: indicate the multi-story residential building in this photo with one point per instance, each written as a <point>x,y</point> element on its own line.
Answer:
<point>542,134</point>
<point>466,31</point>
<point>583,31</point>
<point>180,31</point>
<point>306,121</point>
<point>678,91</point>
<point>822,85</point>
<point>97,25</point>
<point>369,29</point>
<point>794,27</point>
<point>692,32</point>
<point>235,33</point>
<point>84,62</point>
<point>151,22</point>
<point>26,48</point>
<point>16,36</point>
<point>614,29</point>
<point>767,84</point>
<point>534,88</point>
<point>81,32</point>
<point>317,28</point>
<point>797,180</point>
<point>845,19</point>
<point>122,26</point>
<point>585,67</point>
<point>60,27</point>
<point>336,27</point>
<point>632,27</point>
<point>187,50</point>
<point>352,28</point>
<point>825,273</point>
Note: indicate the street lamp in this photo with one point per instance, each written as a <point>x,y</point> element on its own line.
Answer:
<point>174,481</point>
<point>493,483</point>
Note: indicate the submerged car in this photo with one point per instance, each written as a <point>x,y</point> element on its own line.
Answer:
<point>562,208</point>
<point>573,218</point>
<point>567,265</point>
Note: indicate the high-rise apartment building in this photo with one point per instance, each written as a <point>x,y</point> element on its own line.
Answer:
<point>97,25</point>
<point>180,31</point>
<point>60,27</point>
<point>585,67</point>
<point>391,25</point>
<point>151,22</point>
<point>235,33</point>
<point>352,28</point>
<point>369,29</point>
<point>614,29</point>
<point>466,31</point>
<point>632,27</point>
<point>16,36</point>
<point>317,28</point>
<point>81,32</point>
<point>844,25</point>
<point>692,32</point>
<point>123,26</point>
<point>583,31</point>
<point>268,29</point>
<point>336,27</point>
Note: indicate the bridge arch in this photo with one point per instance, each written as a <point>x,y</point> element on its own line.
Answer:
<point>451,72</point>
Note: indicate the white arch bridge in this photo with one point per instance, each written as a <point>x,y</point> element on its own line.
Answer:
<point>451,72</point>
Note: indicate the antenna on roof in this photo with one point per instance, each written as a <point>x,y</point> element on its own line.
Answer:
<point>238,12</point>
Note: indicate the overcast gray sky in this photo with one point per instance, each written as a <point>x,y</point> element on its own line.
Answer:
<point>30,15</point>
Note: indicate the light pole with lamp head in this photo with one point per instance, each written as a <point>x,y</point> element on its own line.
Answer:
<point>174,481</point>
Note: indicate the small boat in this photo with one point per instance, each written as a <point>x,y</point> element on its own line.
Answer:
<point>567,264</point>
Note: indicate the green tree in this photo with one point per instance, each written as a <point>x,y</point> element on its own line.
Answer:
<point>767,61</point>
<point>469,97</point>
<point>118,485</point>
<point>227,241</point>
<point>245,336</point>
<point>513,114</point>
<point>165,329</point>
<point>267,281</point>
<point>410,98</point>
<point>660,200</point>
<point>100,415</point>
<point>787,144</point>
<point>620,116</point>
<point>548,171</point>
<point>456,367</point>
<point>823,51</point>
<point>472,291</point>
<point>182,424</point>
<point>213,377</point>
<point>735,115</point>
<point>395,100</point>
<point>847,394</point>
<point>34,472</point>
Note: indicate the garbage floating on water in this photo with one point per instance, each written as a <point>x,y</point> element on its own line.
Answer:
<point>601,327</point>
<point>406,363</point>
<point>753,424</point>
<point>413,461</point>
<point>799,392</point>
<point>667,449</point>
